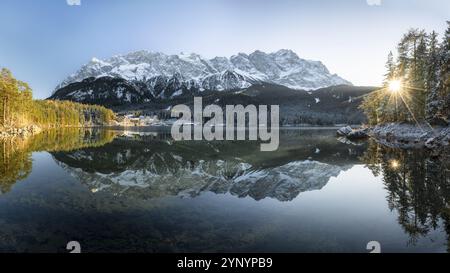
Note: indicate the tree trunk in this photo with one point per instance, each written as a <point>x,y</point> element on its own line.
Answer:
<point>4,111</point>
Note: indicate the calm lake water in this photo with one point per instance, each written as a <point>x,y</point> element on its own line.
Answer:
<point>123,191</point>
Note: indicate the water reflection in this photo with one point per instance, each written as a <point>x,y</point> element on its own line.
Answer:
<point>15,155</point>
<point>15,163</point>
<point>131,172</point>
<point>148,166</point>
<point>418,186</point>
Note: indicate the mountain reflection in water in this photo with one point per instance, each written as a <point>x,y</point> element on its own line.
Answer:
<point>121,176</point>
<point>147,166</point>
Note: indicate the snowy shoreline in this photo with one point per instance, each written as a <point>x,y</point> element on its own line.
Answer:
<point>404,135</point>
<point>401,135</point>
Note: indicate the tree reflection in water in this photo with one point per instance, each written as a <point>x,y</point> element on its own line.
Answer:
<point>15,153</point>
<point>15,163</point>
<point>418,186</point>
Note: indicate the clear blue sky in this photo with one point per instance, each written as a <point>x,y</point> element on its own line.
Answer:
<point>44,41</point>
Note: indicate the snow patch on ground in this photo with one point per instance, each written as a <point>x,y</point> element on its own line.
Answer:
<point>405,135</point>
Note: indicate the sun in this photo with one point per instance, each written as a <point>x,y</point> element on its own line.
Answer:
<point>395,164</point>
<point>395,86</point>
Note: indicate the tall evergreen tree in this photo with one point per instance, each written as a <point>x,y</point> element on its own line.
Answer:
<point>390,69</point>
<point>402,58</point>
<point>433,69</point>
<point>418,91</point>
<point>444,79</point>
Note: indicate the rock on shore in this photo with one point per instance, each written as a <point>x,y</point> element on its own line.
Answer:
<point>19,132</point>
<point>352,134</point>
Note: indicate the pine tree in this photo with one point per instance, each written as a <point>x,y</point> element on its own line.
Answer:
<point>433,103</point>
<point>444,78</point>
<point>402,58</point>
<point>6,93</point>
<point>390,69</point>
<point>418,91</point>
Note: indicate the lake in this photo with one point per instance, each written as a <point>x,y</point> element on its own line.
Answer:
<point>139,191</point>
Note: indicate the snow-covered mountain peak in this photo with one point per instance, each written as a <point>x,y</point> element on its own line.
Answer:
<point>283,67</point>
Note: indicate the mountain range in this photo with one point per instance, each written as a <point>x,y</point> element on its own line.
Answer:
<point>145,76</point>
<point>150,83</point>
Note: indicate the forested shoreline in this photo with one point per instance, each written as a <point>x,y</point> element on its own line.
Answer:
<point>417,83</point>
<point>21,114</point>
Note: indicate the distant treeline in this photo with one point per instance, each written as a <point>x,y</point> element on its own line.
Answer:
<point>417,82</point>
<point>18,109</point>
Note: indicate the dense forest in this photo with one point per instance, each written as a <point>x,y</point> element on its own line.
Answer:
<point>18,109</point>
<point>417,83</point>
